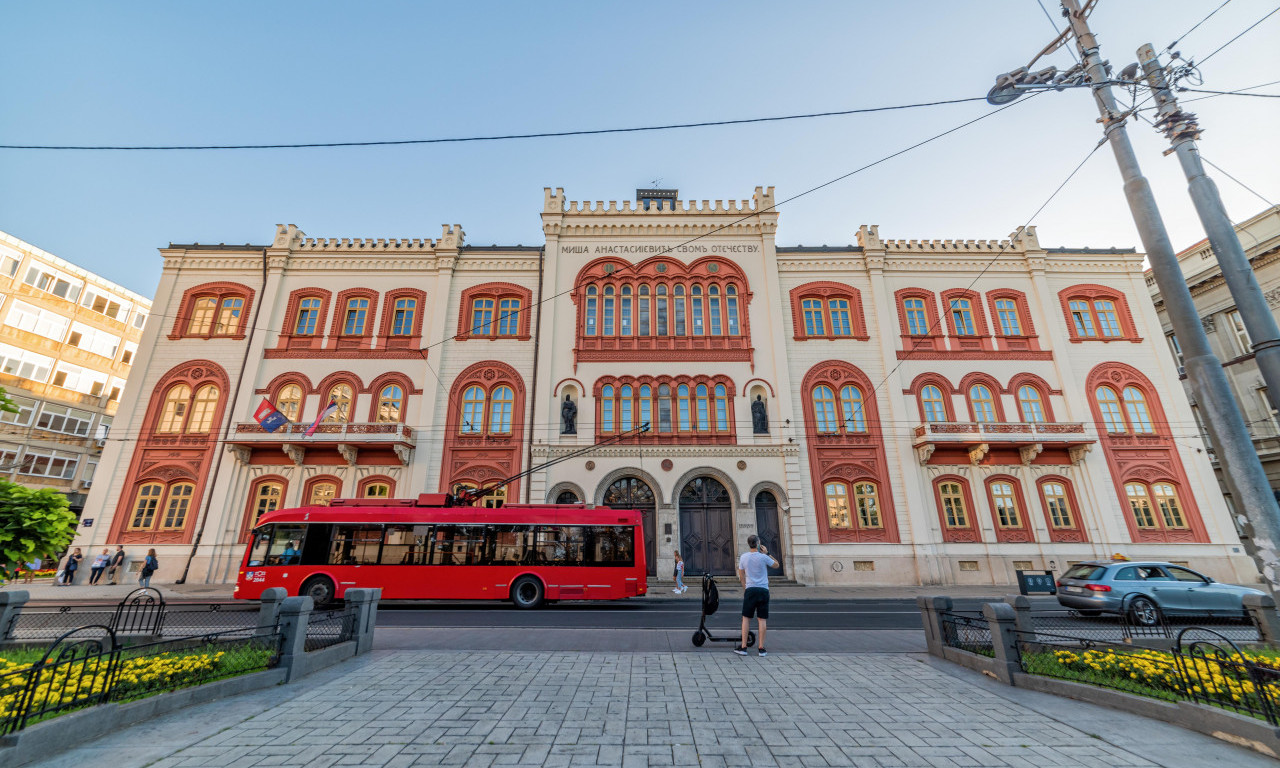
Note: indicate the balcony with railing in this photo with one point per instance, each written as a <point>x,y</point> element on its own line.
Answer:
<point>1001,442</point>
<point>348,439</point>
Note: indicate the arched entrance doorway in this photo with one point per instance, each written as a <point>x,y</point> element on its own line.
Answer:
<point>634,493</point>
<point>768,528</point>
<point>706,528</point>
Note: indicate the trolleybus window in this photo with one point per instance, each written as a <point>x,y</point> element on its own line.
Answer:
<point>277,545</point>
<point>406,545</point>
<point>355,545</point>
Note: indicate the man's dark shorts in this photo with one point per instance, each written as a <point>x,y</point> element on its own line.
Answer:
<point>755,602</point>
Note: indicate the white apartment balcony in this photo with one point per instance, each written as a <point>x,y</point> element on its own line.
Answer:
<point>1001,442</point>
<point>347,439</point>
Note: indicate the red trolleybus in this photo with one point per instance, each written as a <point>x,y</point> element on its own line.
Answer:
<point>430,548</point>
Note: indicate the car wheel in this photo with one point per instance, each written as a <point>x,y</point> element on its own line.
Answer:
<point>527,592</point>
<point>699,639</point>
<point>1144,612</point>
<point>319,589</point>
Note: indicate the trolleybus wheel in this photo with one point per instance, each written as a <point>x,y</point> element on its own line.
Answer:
<point>527,592</point>
<point>319,589</point>
<point>699,638</point>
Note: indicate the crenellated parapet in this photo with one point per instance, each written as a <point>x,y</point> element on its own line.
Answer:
<point>555,202</point>
<point>290,237</point>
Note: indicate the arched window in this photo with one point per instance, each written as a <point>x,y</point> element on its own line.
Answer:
<point>391,404</point>
<point>624,311</point>
<point>354,320</point>
<point>642,302</point>
<point>376,490</point>
<point>625,406</point>
<point>1135,405</point>
<point>660,302</point>
<point>1097,312</point>
<point>402,323</point>
<point>646,406</point>
<point>322,493</point>
<point>1140,505</point>
<point>685,422</point>
<point>606,408</point>
<point>202,316</point>
<point>1005,505</point>
<point>678,300</point>
<point>509,317</point>
<point>482,317</point>
<point>1030,404</point>
<point>145,504</point>
<point>704,418</point>
<point>202,410</point>
<point>962,317</point>
<point>813,317</point>
<point>824,408</point>
<point>722,409</point>
<point>1167,501</point>
<point>175,511</point>
<point>606,326</point>
<point>980,398</point>
<point>917,319</point>
<point>1057,504</point>
<point>838,506</point>
<point>1109,404</point>
<point>955,512</point>
<point>472,411</point>
<point>308,317</point>
<point>339,395</point>
<point>664,408</point>
<point>267,497</point>
<point>695,298</point>
<point>866,500</point>
<point>590,328</point>
<point>935,408</point>
<point>289,401</point>
<point>851,409</point>
<point>568,497</point>
<point>500,410</point>
<point>713,309</point>
<point>173,414</point>
<point>731,304</point>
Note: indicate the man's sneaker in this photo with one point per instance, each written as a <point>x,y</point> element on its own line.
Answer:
<point>740,650</point>
<point>763,652</point>
<point>676,590</point>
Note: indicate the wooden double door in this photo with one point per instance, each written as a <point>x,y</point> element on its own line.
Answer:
<point>706,528</point>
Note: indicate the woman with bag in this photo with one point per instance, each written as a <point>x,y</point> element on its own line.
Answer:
<point>69,567</point>
<point>149,566</point>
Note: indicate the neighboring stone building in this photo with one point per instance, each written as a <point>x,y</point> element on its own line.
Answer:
<point>895,412</point>
<point>1228,338</point>
<point>67,342</point>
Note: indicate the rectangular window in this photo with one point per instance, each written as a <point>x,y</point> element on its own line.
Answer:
<point>1175,347</point>
<point>679,302</point>
<point>713,314</point>
<point>482,317</point>
<point>962,317</point>
<point>38,463</point>
<point>104,303</point>
<point>1082,318</point>
<point>130,349</point>
<point>402,325</point>
<point>662,316</point>
<point>81,380</point>
<point>308,316</point>
<point>508,317</point>
<point>9,266</point>
<point>624,315</point>
<point>51,280</point>
<point>642,327</point>
<point>664,414</point>
<point>139,319</point>
<point>1010,324</point>
<point>9,454</point>
<point>355,545</point>
<point>42,322</point>
<point>229,316</point>
<point>917,321</point>
<point>25,364</point>
<point>696,301</point>
<point>731,306</point>
<point>1239,332</point>
<point>606,327</point>
<point>357,311</point>
<point>26,409</point>
<point>93,340</point>
<point>840,324</point>
<point>813,321</point>
<point>90,468</point>
<point>457,545</point>
<point>406,545</point>
<point>1108,321</point>
<point>60,418</point>
<point>590,329</point>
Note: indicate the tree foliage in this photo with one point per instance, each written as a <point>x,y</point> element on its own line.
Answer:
<point>7,405</point>
<point>33,523</point>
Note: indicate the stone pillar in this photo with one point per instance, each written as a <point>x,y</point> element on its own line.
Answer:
<point>1021,606</point>
<point>10,608</point>
<point>1004,638</point>
<point>295,614</point>
<point>1261,609</point>
<point>269,610</point>
<point>364,604</point>
<point>929,612</point>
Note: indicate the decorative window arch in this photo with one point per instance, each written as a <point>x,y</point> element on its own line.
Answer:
<point>495,311</point>
<point>320,490</point>
<point>1008,505</point>
<point>966,320</point>
<point>214,310</point>
<point>355,312</point>
<point>481,454</point>
<point>1040,388</point>
<point>1011,320</point>
<point>402,312</point>
<point>918,320</point>
<point>956,513</point>
<point>1061,509</point>
<point>376,487</point>
<point>1097,313</point>
<point>306,315</point>
<point>678,409</point>
<point>827,310</point>
<point>982,396</point>
<point>1138,461</point>
<point>927,403</point>
<point>159,505</point>
<point>377,389</point>
<point>266,494</point>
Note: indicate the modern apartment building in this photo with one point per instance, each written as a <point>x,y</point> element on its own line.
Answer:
<point>67,341</point>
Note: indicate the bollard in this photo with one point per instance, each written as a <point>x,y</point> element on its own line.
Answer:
<point>364,604</point>
<point>1021,606</point>
<point>929,612</point>
<point>10,609</point>
<point>295,614</point>
<point>1004,638</point>
<point>1262,609</point>
<point>269,610</point>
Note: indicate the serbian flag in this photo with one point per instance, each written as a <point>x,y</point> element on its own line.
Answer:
<point>269,417</point>
<point>325,413</point>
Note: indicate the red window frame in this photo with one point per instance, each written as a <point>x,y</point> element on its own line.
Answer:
<point>1076,533</point>
<point>413,339</point>
<point>924,380</point>
<point>825,291</point>
<point>497,292</point>
<point>973,379</point>
<point>1018,534</point>
<point>338,338</point>
<point>934,339</point>
<point>980,339</point>
<point>1027,339</point>
<point>971,533</point>
<point>217,291</point>
<point>291,340</point>
<point>1090,293</point>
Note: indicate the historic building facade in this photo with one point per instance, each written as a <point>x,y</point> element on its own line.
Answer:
<point>67,343</point>
<point>891,412</point>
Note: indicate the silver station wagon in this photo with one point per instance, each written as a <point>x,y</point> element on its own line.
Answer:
<point>1146,590</point>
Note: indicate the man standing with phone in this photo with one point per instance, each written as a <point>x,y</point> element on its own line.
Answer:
<point>753,572</point>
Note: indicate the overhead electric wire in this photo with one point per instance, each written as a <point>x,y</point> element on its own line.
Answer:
<point>1248,188</point>
<point>1236,92</point>
<point>1237,37</point>
<point>1196,26</point>
<point>1232,93</point>
<point>496,137</point>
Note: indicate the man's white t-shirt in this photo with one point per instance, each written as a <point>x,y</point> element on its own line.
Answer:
<point>756,565</point>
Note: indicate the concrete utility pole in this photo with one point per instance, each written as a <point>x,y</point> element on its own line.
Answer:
<point>1208,381</point>
<point>1181,129</point>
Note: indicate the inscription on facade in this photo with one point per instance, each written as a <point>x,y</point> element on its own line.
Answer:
<point>661,249</point>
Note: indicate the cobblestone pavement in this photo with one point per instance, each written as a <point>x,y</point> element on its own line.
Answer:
<point>415,708</point>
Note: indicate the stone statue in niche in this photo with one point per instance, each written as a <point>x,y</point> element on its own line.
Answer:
<point>568,417</point>
<point>759,418</point>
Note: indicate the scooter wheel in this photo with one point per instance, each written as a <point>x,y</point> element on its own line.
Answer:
<point>751,639</point>
<point>699,638</point>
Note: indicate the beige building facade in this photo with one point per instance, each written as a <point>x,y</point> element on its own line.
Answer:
<point>888,412</point>
<point>68,340</point>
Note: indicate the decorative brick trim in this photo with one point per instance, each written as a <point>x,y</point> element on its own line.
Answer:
<point>413,341</point>
<point>970,380</point>
<point>1074,535</point>
<point>913,344</point>
<point>1090,292</point>
<point>378,384</point>
<point>289,340</point>
<point>292,377</point>
<point>824,291</point>
<point>497,292</point>
<point>341,354</point>
<point>1021,380</point>
<point>216,291</point>
<point>360,341</point>
<point>483,457</point>
<point>971,533</point>
<point>980,340</point>
<point>1020,534</point>
<point>1027,340</point>
<point>925,379</point>
<point>985,354</point>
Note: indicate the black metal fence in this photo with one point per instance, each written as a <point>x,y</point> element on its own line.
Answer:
<point>143,612</point>
<point>968,631</point>
<point>1108,627</point>
<point>330,628</point>
<point>88,666</point>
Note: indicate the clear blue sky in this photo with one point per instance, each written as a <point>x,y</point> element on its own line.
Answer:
<point>246,72</point>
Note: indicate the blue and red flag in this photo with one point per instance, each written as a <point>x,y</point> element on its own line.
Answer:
<point>325,412</point>
<point>269,416</point>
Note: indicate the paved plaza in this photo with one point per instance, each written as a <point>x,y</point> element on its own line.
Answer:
<point>426,708</point>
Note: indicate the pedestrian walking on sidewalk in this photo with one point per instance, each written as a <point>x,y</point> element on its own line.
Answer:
<point>117,561</point>
<point>753,572</point>
<point>29,575</point>
<point>680,587</point>
<point>149,566</point>
<point>99,565</point>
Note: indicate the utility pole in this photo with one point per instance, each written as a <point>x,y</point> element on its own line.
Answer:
<point>1222,418</point>
<point>1182,131</point>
